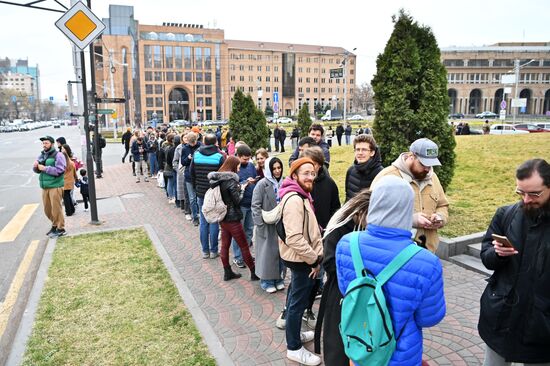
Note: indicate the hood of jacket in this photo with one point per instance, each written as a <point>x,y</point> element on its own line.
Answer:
<point>268,174</point>
<point>208,149</point>
<point>391,204</point>
<point>290,185</point>
<point>216,178</point>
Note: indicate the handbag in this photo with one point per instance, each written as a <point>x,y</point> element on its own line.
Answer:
<point>272,216</point>
<point>160,180</point>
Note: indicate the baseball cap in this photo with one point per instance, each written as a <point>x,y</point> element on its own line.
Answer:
<point>49,138</point>
<point>427,151</point>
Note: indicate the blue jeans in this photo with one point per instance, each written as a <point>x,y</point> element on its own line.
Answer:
<point>348,137</point>
<point>208,232</point>
<point>153,164</point>
<point>171,186</point>
<point>192,200</point>
<point>296,302</point>
<point>248,226</point>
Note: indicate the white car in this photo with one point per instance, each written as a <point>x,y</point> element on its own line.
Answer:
<point>503,129</point>
<point>284,120</point>
<point>356,117</point>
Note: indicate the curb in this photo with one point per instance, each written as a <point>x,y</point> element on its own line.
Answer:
<point>210,338</point>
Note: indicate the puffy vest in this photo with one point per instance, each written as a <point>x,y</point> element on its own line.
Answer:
<point>49,181</point>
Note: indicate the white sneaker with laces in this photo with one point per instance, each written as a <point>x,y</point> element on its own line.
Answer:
<point>304,357</point>
<point>271,290</point>
<point>188,217</point>
<point>307,336</point>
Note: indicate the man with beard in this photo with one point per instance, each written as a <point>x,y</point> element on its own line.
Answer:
<point>430,203</point>
<point>514,320</point>
<point>51,167</point>
<point>302,253</point>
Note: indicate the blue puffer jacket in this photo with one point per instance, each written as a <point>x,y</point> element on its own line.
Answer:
<point>414,295</point>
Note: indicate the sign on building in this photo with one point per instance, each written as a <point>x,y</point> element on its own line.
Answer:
<point>508,79</point>
<point>337,73</point>
<point>520,102</point>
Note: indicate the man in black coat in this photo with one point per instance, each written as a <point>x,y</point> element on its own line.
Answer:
<point>365,167</point>
<point>125,140</point>
<point>514,319</point>
<point>276,137</point>
<point>282,138</point>
<point>339,133</point>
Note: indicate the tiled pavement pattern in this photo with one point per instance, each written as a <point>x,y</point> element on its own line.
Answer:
<point>242,315</point>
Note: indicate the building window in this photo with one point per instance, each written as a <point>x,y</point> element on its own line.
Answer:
<point>268,68</point>
<point>546,78</point>
<point>198,58</point>
<point>187,59</point>
<point>250,89</point>
<point>232,77</point>
<point>259,79</point>
<point>241,88</point>
<point>179,76</point>
<point>188,76</point>
<point>241,78</point>
<point>208,101</point>
<point>250,78</point>
<point>198,76</point>
<point>276,89</point>
<point>207,58</point>
<point>308,80</point>
<point>276,79</point>
<point>232,67</point>
<point>158,75</point>
<point>241,67</point>
<point>478,63</point>
<point>455,63</point>
<point>276,68</point>
<point>168,57</point>
<point>148,76</point>
<point>315,80</point>
<point>259,68</point>
<point>300,90</point>
<point>158,102</point>
<point>308,70</point>
<point>300,69</point>
<point>178,57</point>
<point>148,56</point>
<point>149,102</point>
<point>300,80</point>
<point>157,58</point>
<point>199,89</point>
<point>250,68</point>
<point>158,89</point>
<point>208,89</point>
<point>315,90</point>
<point>308,90</point>
<point>169,76</point>
<point>268,89</point>
<point>148,89</point>
<point>233,89</point>
<point>207,76</point>
<point>267,78</point>
<point>322,90</point>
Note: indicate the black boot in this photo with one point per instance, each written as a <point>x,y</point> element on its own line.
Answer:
<point>253,276</point>
<point>228,274</point>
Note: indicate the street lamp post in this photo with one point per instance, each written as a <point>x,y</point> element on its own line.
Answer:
<point>517,67</point>
<point>345,64</point>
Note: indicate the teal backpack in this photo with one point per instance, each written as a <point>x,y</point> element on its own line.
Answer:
<point>366,327</point>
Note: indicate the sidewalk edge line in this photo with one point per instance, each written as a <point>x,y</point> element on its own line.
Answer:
<point>24,331</point>
<point>210,337</point>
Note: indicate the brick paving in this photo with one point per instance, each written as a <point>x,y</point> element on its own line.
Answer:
<point>242,315</point>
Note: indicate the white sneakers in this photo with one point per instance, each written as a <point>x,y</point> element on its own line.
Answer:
<point>307,336</point>
<point>303,356</point>
<point>271,290</point>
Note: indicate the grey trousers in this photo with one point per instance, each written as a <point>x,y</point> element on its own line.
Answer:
<point>494,359</point>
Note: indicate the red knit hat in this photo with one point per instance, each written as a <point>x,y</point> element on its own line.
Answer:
<point>296,164</point>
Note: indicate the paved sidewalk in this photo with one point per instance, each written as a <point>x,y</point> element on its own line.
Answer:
<point>242,315</point>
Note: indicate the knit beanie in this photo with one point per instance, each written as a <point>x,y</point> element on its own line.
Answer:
<point>391,203</point>
<point>296,164</point>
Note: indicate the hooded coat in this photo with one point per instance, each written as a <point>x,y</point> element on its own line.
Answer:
<point>266,240</point>
<point>360,176</point>
<point>231,192</point>
<point>414,295</point>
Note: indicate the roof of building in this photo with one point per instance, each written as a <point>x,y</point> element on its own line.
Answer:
<point>502,47</point>
<point>284,47</point>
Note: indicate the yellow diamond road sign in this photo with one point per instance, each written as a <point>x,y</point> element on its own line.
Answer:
<point>80,25</point>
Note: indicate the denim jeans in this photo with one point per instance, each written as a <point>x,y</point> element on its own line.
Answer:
<point>171,186</point>
<point>248,226</point>
<point>208,232</point>
<point>153,164</point>
<point>296,302</point>
<point>348,137</point>
<point>192,200</point>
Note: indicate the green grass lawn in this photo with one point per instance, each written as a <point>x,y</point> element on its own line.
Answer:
<point>109,300</point>
<point>484,177</point>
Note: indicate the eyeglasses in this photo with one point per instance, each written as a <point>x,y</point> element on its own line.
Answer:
<point>362,150</point>
<point>308,174</point>
<point>530,194</point>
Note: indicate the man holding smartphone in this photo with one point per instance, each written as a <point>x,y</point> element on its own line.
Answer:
<point>430,203</point>
<point>514,320</point>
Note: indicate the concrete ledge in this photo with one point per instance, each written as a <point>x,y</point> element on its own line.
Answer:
<point>449,247</point>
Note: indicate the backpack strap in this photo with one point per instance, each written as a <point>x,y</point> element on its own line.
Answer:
<point>399,261</point>
<point>356,254</point>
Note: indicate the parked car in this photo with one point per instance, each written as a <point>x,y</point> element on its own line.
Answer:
<point>356,117</point>
<point>545,126</point>
<point>486,114</point>
<point>284,120</point>
<point>456,116</point>
<point>529,127</point>
<point>179,123</point>
<point>56,125</point>
<point>504,129</point>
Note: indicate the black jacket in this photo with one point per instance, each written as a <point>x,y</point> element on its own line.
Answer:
<point>360,176</point>
<point>206,159</point>
<point>339,130</point>
<point>166,156</point>
<point>515,306</point>
<point>126,136</point>
<point>231,193</point>
<point>325,198</point>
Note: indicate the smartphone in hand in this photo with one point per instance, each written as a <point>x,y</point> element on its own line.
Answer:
<point>502,240</point>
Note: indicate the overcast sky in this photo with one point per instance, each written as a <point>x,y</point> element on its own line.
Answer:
<point>29,33</point>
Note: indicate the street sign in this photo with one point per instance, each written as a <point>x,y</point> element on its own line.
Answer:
<point>508,79</point>
<point>503,105</point>
<point>337,73</point>
<point>105,111</point>
<point>276,107</point>
<point>114,115</point>
<point>508,90</point>
<point>276,97</point>
<point>51,99</point>
<point>520,102</point>
<point>13,99</point>
<point>80,25</point>
<point>110,100</point>
<point>502,114</point>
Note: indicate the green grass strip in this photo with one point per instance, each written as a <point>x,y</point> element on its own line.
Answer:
<point>109,300</point>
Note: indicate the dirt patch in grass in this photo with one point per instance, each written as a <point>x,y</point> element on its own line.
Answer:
<point>109,300</point>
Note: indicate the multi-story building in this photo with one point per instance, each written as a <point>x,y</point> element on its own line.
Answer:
<point>185,71</point>
<point>475,76</point>
<point>18,76</point>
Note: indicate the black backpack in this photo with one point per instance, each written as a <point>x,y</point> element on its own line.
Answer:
<point>280,227</point>
<point>102,142</point>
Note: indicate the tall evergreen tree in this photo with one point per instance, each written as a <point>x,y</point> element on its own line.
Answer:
<point>268,111</point>
<point>247,123</point>
<point>410,92</point>
<point>304,120</point>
